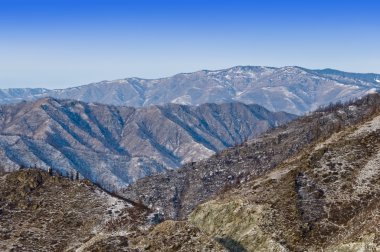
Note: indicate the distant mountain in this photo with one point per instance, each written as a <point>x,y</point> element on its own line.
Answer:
<point>14,95</point>
<point>114,146</point>
<point>292,89</point>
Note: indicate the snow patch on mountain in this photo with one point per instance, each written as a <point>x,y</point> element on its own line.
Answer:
<point>305,89</point>
<point>183,100</point>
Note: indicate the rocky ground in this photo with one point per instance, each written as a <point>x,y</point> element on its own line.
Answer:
<point>327,198</point>
<point>39,212</point>
<point>178,192</point>
<point>311,185</point>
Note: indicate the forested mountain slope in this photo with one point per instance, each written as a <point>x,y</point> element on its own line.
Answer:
<point>178,192</point>
<point>113,146</point>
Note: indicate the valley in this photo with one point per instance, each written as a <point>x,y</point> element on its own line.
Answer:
<point>322,193</point>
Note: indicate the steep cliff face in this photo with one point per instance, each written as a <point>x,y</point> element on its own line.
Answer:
<point>114,146</point>
<point>325,198</point>
<point>292,89</point>
<point>178,192</point>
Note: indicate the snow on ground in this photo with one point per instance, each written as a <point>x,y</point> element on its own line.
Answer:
<point>240,93</point>
<point>114,204</point>
<point>196,153</point>
<point>184,100</point>
<point>372,91</point>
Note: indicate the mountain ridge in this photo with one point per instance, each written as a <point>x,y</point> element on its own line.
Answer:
<point>47,212</point>
<point>292,89</point>
<point>325,198</point>
<point>309,185</point>
<point>178,192</point>
<point>115,145</point>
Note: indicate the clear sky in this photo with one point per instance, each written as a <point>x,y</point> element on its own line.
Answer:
<point>61,43</point>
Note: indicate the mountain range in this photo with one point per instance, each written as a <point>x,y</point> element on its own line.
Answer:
<point>115,145</point>
<point>294,90</point>
<point>178,192</point>
<point>309,185</point>
<point>324,198</point>
<point>181,164</point>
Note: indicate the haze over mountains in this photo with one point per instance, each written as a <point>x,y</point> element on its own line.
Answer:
<point>115,145</point>
<point>292,89</point>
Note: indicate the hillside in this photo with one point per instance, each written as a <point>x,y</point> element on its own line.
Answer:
<point>326,198</point>
<point>178,192</point>
<point>309,185</point>
<point>114,146</point>
<point>39,212</point>
<point>295,90</point>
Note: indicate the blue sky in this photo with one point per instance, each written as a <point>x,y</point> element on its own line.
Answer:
<point>61,43</point>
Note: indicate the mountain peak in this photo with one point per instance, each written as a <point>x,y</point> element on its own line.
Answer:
<point>292,89</point>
